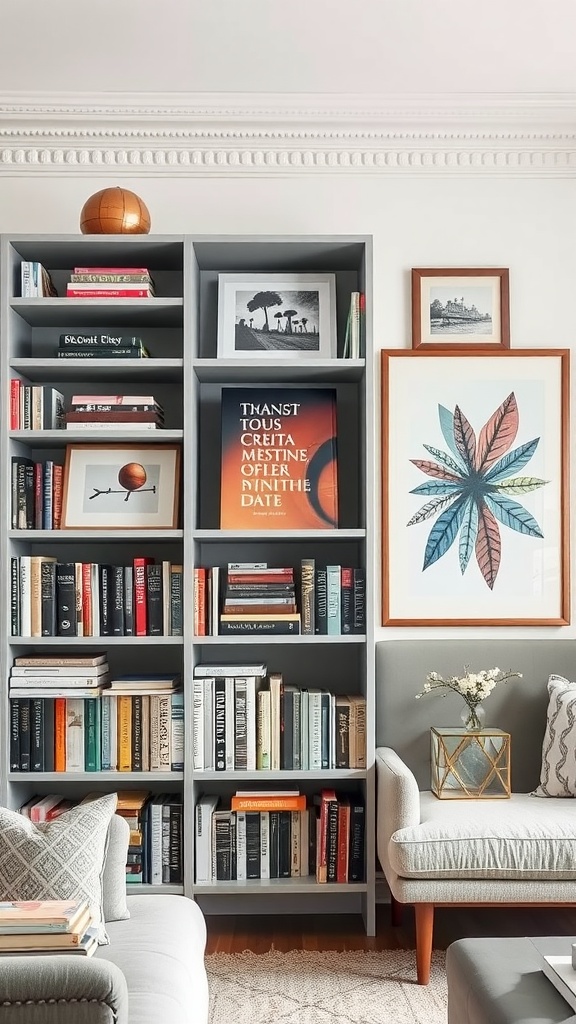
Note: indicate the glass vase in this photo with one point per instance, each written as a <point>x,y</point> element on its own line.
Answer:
<point>473,717</point>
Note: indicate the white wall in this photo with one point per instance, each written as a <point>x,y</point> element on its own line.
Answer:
<point>526,224</point>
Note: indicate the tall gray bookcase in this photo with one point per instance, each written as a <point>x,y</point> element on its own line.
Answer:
<point>179,327</point>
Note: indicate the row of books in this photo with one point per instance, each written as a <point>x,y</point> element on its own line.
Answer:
<point>277,835</point>
<point>47,926</point>
<point>35,280</point>
<point>35,406</point>
<point>51,598</point>
<point>36,494</point>
<point>260,599</point>
<point>107,731</point>
<point>110,283</point>
<point>242,721</point>
<point>112,412</point>
<point>155,851</point>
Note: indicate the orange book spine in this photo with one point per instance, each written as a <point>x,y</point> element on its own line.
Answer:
<point>343,841</point>
<point>87,624</point>
<point>124,733</point>
<point>264,803</point>
<point>60,734</point>
<point>326,797</point>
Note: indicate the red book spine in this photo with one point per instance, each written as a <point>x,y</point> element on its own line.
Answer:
<point>140,596</point>
<point>87,624</point>
<point>15,404</point>
<point>107,293</point>
<point>343,842</point>
<point>57,475</point>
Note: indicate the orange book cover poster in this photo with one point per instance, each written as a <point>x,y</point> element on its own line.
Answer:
<point>279,467</point>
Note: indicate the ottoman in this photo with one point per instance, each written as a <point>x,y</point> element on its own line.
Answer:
<point>500,981</point>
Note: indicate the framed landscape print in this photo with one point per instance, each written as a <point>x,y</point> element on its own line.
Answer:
<point>475,492</point>
<point>276,315</point>
<point>121,487</point>
<point>460,308</point>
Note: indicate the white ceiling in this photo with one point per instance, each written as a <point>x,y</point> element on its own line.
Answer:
<point>385,47</point>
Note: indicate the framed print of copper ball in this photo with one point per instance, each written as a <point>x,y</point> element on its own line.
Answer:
<point>114,211</point>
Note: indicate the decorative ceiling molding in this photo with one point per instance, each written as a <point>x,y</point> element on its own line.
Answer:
<point>220,134</point>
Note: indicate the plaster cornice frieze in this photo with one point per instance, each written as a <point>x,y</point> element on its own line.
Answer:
<point>288,134</point>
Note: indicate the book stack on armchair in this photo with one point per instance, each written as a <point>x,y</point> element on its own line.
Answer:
<point>47,926</point>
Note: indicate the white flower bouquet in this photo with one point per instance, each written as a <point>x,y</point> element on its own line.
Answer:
<point>474,687</point>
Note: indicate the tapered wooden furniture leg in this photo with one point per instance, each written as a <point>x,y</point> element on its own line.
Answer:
<point>424,913</point>
<point>395,912</point>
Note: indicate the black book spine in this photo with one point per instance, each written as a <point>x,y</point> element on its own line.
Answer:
<point>154,599</point>
<point>274,839</point>
<point>117,601</point>
<point>145,830</point>
<point>357,839</point>
<point>48,598</point>
<point>346,600</point>
<point>342,735</point>
<point>359,601</point>
<point>332,841</point>
<point>275,627</point>
<point>15,597</point>
<point>252,844</point>
<point>36,734</point>
<point>66,598</point>
<point>48,735</point>
<point>15,734</point>
<point>21,494</point>
<point>321,602</point>
<point>105,573</point>
<point>176,616</point>
<point>24,734</point>
<point>128,600</point>
<point>29,493</point>
<point>223,849</point>
<point>14,493</point>
<point>137,733</point>
<point>220,723</point>
<point>284,844</point>
<point>175,847</point>
<point>287,730</point>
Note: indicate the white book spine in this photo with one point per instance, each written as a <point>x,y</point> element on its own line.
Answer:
<point>251,723</point>
<point>209,754</point>
<point>265,844</point>
<point>204,808</point>
<point>198,725</point>
<point>304,751</point>
<point>164,732</point>
<point>113,733</point>
<point>25,596</point>
<point>241,846</point>
<point>315,731</point>
<point>156,843</point>
<point>229,720</point>
<point>75,735</point>
<point>263,731</point>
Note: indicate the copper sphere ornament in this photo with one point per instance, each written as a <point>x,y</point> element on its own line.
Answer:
<point>114,211</point>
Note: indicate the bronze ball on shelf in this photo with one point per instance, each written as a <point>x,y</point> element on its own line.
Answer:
<point>114,211</point>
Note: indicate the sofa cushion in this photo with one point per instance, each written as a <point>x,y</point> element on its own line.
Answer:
<point>59,859</point>
<point>160,951</point>
<point>516,838</point>
<point>114,876</point>
<point>558,771</point>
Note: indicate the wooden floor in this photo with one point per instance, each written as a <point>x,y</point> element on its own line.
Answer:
<point>324,932</point>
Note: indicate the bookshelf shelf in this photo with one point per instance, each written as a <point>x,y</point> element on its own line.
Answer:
<point>51,371</point>
<point>186,375</point>
<point>143,888</point>
<point>64,312</point>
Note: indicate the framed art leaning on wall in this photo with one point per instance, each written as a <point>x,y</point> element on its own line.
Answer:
<point>475,487</point>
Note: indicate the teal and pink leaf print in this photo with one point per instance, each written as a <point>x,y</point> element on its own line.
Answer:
<point>472,487</point>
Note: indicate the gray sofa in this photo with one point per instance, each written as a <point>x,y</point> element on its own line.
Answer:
<point>152,971</point>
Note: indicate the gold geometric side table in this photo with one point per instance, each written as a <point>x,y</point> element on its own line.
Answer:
<point>470,765</point>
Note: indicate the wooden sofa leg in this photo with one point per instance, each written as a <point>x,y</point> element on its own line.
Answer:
<point>395,912</point>
<point>424,913</point>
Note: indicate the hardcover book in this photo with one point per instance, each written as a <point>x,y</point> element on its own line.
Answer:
<point>279,459</point>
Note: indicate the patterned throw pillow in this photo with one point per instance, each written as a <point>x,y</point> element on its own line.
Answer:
<point>60,859</point>
<point>558,772</point>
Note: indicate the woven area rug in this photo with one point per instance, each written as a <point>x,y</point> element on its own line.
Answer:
<point>303,987</point>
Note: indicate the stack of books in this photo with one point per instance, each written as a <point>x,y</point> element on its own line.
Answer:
<point>130,806</point>
<point>110,283</point>
<point>100,345</point>
<point>47,926</point>
<point>259,599</point>
<point>114,412</point>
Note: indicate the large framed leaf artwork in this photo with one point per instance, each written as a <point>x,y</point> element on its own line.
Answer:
<point>475,491</point>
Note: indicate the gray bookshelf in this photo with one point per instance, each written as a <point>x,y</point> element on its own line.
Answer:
<point>179,329</point>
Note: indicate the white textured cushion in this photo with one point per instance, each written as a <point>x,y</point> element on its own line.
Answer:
<point>558,771</point>
<point>114,877</point>
<point>516,838</point>
<point>59,859</point>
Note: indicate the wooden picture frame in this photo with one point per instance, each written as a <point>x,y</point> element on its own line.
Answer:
<point>461,308</point>
<point>303,305</point>
<point>475,487</point>
<point>100,480</point>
